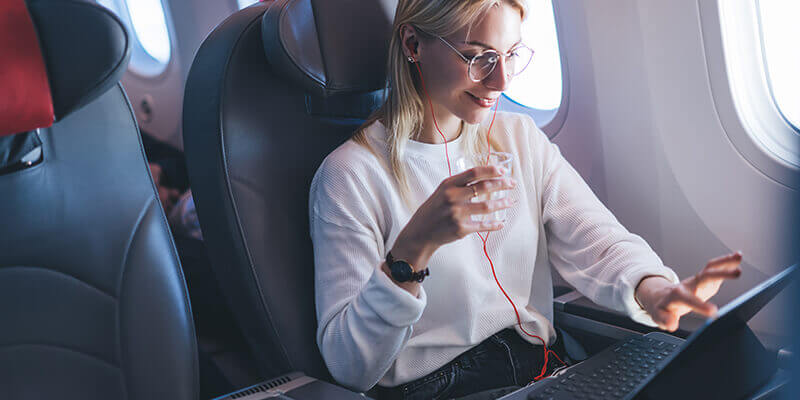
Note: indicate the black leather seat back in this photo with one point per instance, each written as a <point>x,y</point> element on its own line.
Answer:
<point>254,135</point>
<point>93,303</point>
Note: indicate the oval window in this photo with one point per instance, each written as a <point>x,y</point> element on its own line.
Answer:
<point>146,20</point>
<point>539,86</point>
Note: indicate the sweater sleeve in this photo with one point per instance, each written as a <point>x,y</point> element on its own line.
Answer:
<point>364,319</point>
<point>586,244</point>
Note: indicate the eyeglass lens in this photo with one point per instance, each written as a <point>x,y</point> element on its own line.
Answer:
<point>516,62</point>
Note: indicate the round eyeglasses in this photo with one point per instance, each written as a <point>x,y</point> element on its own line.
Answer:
<point>482,64</point>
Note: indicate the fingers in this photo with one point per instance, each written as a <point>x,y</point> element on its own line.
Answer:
<point>679,302</point>
<point>725,267</point>
<point>483,226</point>
<point>667,320</point>
<point>474,174</point>
<point>729,261</point>
<point>713,275</point>
<point>681,295</point>
<point>488,207</point>
<point>488,186</point>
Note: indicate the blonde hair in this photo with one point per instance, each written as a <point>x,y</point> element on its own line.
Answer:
<point>404,108</point>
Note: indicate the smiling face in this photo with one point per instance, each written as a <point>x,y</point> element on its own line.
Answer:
<point>446,73</point>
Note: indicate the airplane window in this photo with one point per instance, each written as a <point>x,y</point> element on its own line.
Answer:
<point>146,20</point>
<point>246,3</point>
<point>779,31</point>
<point>539,86</point>
<point>755,51</point>
<point>151,27</point>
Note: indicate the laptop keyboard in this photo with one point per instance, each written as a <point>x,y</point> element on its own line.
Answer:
<point>614,373</point>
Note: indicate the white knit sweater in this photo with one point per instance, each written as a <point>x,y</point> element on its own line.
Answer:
<point>372,331</point>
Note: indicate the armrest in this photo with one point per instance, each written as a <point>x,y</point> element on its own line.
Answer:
<point>597,327</point>
<point>293,386</point>
<point>574,303</point>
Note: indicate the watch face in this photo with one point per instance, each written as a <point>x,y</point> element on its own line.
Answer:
<point>401,271</point>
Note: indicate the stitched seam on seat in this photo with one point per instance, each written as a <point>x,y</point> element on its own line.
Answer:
<point>101,291</point>
<point>321,47</point>
<point>248,185</point>
<point>124,268</point>
<point>289,55</point>
<point>187,304</point>
<point>227,182</point>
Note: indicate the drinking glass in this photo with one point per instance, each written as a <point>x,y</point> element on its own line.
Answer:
<point>500,159</point>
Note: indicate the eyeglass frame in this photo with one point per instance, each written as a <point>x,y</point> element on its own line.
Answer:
<point>470,62</point>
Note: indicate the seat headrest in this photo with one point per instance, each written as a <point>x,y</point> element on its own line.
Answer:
<point>84,48</point>
<point>318,44</point>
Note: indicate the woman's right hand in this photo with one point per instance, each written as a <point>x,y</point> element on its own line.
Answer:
<point>446,215</point>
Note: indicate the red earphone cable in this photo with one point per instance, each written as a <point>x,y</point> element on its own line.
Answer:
<point>543,372</point>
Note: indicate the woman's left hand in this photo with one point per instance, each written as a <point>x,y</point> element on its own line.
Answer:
<point>667,302</point>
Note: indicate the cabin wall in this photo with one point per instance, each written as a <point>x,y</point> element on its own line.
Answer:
<point>189,22</point>
<point>643,129</point>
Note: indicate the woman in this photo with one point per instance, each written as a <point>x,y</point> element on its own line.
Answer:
<point>388,192</point>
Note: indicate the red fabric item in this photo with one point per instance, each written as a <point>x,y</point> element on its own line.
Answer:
<point>25,102</point>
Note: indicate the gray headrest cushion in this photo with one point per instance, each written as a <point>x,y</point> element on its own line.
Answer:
<point>320,45</point>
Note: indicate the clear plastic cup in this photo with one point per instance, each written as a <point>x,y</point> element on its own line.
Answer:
<point>500,159</point>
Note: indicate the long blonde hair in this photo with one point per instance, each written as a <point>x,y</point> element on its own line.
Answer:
<point>404,109</point>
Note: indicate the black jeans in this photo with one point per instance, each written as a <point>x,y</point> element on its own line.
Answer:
<point>504,362</point>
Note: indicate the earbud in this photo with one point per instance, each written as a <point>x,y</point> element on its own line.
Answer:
<point>411,49</point>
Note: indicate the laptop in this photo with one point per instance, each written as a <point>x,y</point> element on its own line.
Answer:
<point>723,359</point>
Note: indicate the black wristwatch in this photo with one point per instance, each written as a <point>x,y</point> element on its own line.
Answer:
<point>403,272</point>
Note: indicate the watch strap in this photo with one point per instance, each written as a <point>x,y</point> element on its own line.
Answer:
<point>419,276</point>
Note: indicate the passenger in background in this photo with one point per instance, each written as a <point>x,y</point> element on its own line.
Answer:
<point>387,197</point>
<point>168,195</point>
<point>168,167</point>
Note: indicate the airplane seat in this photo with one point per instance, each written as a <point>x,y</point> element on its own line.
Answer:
<point>272,91</point>
<point>92,299</point>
